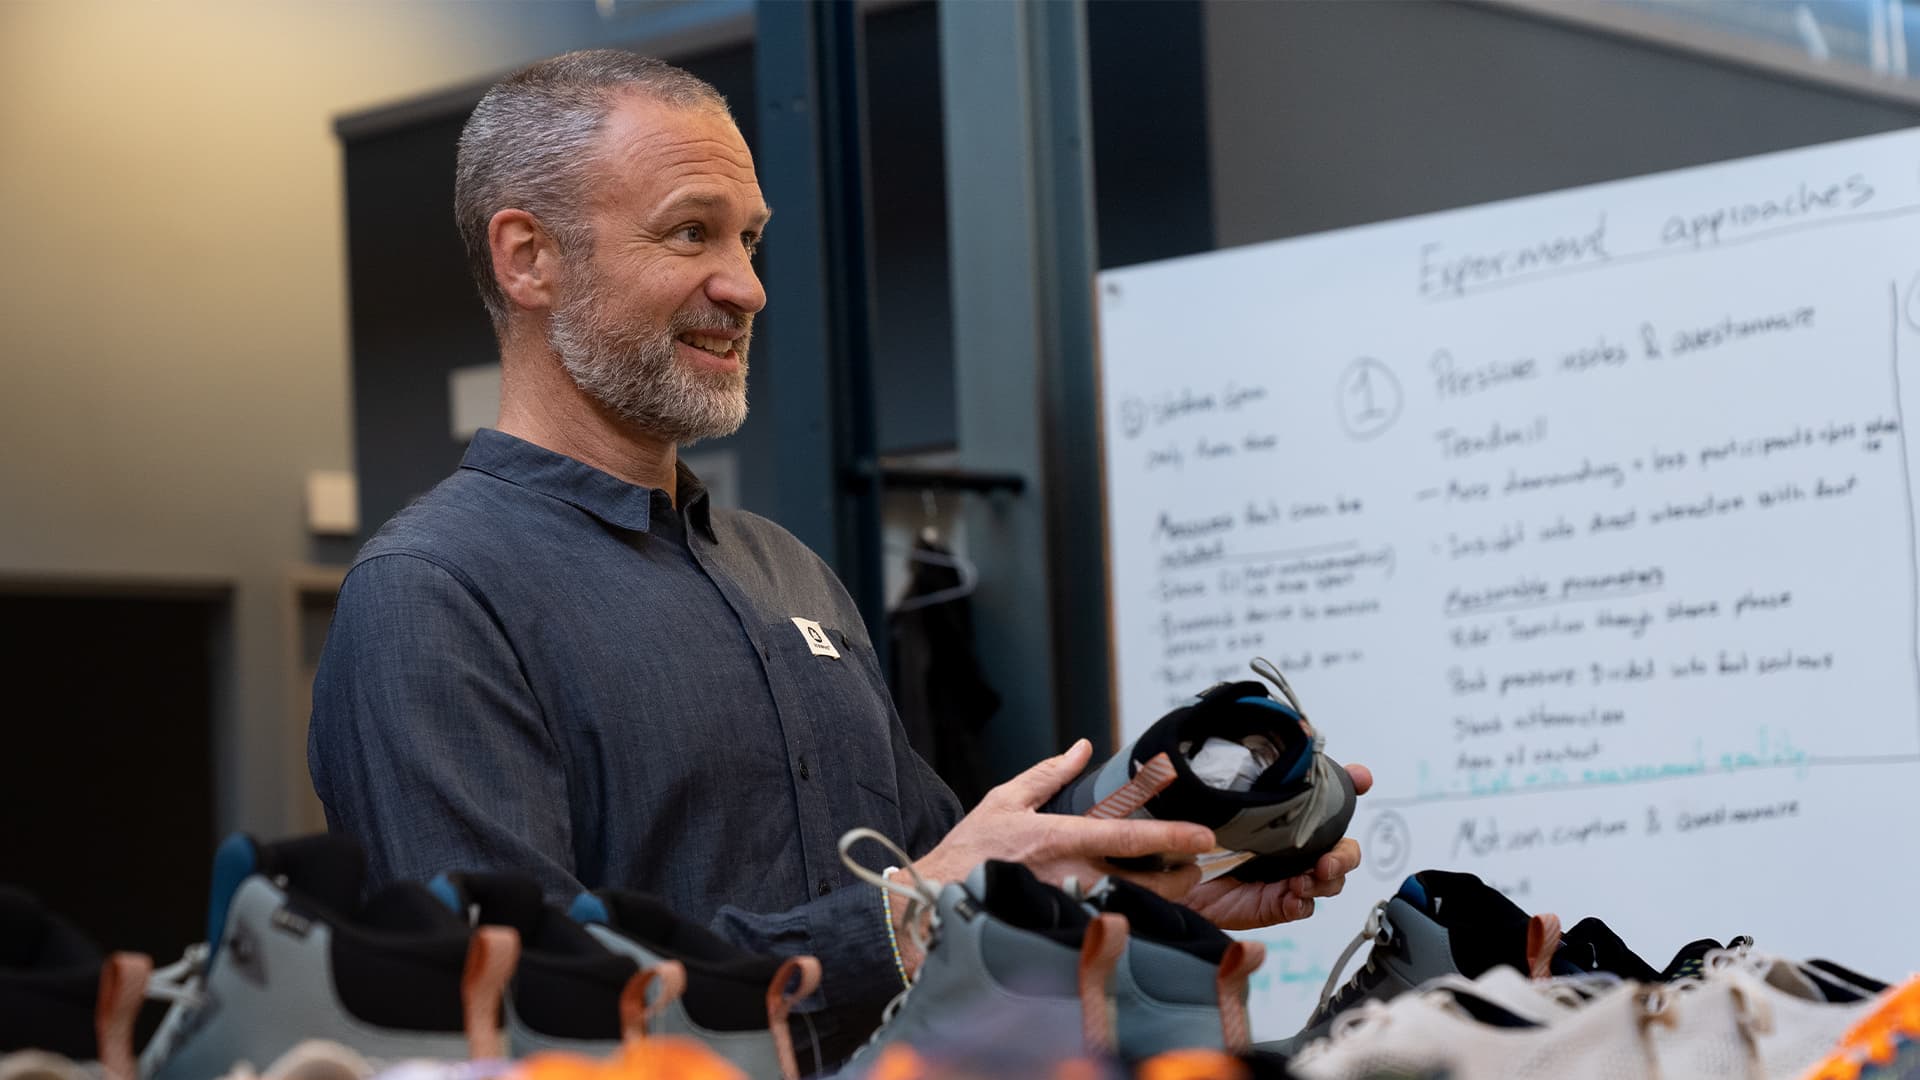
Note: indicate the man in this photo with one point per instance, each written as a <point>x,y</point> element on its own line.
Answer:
<point>562,661</point>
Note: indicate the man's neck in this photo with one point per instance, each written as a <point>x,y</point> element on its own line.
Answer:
<point>540,402</point>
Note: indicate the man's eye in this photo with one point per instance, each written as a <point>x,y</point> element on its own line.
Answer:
<point>752,241</point>
<point>693,234</point>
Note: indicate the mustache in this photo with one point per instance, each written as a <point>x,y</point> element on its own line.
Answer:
<point>712,319</point>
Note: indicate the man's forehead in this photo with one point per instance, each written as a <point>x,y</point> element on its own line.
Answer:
<point>680,153</point>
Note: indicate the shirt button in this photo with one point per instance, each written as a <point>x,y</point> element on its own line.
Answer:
<point>826,887</point>
<point>806,773</point>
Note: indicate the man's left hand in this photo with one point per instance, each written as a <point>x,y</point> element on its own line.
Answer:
<point>1249,905</point>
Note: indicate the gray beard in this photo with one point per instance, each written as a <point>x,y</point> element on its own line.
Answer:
<point>633,372</point>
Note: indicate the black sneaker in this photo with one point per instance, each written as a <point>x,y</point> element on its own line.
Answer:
<point>1438,923</point>
<point>567,990</point>
<point>1290,806</point>
<point>58,992</point>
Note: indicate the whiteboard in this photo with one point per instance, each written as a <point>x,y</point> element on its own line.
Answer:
<point>1586,520</point>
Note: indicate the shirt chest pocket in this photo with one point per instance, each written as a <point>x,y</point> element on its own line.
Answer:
<point>835,708</point>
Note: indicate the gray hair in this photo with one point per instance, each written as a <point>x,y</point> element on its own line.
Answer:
<point>530,145</point>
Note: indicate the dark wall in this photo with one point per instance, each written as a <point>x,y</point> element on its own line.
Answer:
<point>913,299</point>
<point>1324,115</point>
<point>106,784</point>
<point>1146,74</point>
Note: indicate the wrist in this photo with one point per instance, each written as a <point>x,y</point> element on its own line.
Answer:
<point>905,938</point>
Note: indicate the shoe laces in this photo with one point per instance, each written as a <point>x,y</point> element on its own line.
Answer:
<point>1378,931</point>
<point>184,980</point>
<point>1265,668</point>
<point>923,899</point>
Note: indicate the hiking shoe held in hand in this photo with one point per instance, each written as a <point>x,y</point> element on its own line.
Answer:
<point>60,994</point>
<point>700,985</point>
<point>292,953</point>
<point>1241,762</point>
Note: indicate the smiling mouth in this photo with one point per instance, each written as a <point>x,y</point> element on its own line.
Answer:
<point>717,346</point>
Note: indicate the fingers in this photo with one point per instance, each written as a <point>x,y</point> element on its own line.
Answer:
<point>1044,780</point>
<point>1294,908</point>
<point>1344,859</point>
<point>1173,884</point>
<point>1128,837</point>
<point>1362,778</point>
<point>1329,875</point>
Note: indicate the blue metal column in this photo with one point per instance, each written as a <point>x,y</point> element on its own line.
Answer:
<point>1020,201</point>
<point>818,265</point>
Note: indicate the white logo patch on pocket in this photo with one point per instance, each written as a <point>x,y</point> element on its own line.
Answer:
<point>817,639</point>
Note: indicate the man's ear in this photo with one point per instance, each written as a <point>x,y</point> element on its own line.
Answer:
<point>526,260</point>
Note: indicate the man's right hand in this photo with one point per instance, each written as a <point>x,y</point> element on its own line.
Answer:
<point>1007,825</point>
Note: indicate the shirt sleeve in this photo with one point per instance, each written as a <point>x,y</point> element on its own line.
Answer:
<point>847,930</point>
<point>426,744</point>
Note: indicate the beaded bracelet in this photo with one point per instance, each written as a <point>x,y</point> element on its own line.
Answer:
<point>886,916</point>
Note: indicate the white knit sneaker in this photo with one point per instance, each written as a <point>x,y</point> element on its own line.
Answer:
<point>1472,1036</point>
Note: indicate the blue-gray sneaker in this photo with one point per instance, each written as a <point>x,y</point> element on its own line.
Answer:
<point>292,953</point>
<point>1016,976</point>
<point>1438,923</point>
<point>704,987</point>
<point>568,989</point>
<point>1182,983</point>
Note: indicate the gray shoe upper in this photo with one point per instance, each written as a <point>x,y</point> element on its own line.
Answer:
<point>1412,949</point>
<point>1165,999</point>
<point>752,1051</point>
<point>986,983</point>
<point>270,985</point>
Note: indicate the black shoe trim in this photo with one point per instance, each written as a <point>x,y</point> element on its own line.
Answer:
<point>726,985</point>
<point>49,980</point>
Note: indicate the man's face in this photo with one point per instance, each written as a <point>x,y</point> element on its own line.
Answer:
<point>654,322</point>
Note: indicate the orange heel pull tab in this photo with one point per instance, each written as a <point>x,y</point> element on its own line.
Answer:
<point>798,978</point>
<point>1543,940</point>
<point>1192,1065</point>
<point>1100,952</point>
<point>666,981</point>
<point>1243,958</point>
<point>1153,778</point>
<point>123,987</point>
<point>492,953</point>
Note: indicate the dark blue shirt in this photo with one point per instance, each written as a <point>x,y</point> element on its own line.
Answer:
<point>539,667</point>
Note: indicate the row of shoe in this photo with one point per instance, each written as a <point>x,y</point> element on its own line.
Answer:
<point>481,967</point>
<point>465,967</point>
<point>1459,978</point>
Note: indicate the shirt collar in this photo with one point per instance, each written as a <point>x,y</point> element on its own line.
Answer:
<point>605,496</point>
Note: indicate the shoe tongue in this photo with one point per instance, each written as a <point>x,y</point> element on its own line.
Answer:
<point>1484,928</point>
<point>1593,946</point>
<point>1009,892</point>
<point>1690,960</point>
<point>234,861</point>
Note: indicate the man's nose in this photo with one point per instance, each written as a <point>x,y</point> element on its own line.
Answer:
<point>737,286</point>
